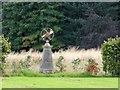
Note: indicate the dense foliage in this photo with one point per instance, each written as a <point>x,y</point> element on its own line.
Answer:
<point>111,56</point>
<point>85,25</point>
<point>5,48</point>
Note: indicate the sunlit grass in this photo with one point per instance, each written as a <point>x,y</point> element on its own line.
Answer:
<point>55,82</point>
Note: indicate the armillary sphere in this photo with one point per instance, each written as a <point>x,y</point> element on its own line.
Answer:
<point>47,34</point>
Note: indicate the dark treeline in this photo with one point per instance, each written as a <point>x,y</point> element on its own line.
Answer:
<point>84,25</point>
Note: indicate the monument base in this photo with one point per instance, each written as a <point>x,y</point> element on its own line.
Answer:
<point>47,71</point>
<point>47,63</point>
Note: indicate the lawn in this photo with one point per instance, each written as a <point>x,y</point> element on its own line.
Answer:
<point>59,82</point>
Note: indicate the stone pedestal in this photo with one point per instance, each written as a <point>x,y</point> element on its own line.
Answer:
<point>47,63</point>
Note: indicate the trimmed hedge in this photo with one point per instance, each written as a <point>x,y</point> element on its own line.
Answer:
<point>111,56</point>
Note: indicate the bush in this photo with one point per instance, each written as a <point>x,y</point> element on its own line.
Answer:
<point>76,64</point>
<point>60,64</point>
<point>21,65</point>
<point>5,48</point>
<point>92,67</point>
<point>111,56</point>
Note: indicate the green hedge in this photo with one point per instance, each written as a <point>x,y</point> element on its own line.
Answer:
<point>5,48</point>
<point>111,56</point>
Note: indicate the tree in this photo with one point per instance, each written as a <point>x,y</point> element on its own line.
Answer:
<point>23,22</point>
<point>82,24</point>
<point>88,24</point>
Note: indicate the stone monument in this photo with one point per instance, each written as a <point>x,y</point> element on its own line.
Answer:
<point>47,63</point>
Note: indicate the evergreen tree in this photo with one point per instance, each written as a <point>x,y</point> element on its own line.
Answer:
<point>80,24</point>
<point>23,22</point>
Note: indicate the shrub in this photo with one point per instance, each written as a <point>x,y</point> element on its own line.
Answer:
<point>5,48</point>
<point>111,56</point>
<point>76,64</point>
<point>27,62</point>
<point>92,67</point>
<point>90,60</point>
<point>60,64</point>
<point>21,65</point>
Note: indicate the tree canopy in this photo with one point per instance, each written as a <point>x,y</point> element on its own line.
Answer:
<point>81,24</point>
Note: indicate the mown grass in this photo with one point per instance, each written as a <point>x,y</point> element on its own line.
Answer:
<point>59,82</point>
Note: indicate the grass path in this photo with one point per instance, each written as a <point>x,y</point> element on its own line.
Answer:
<point>55,82</point>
